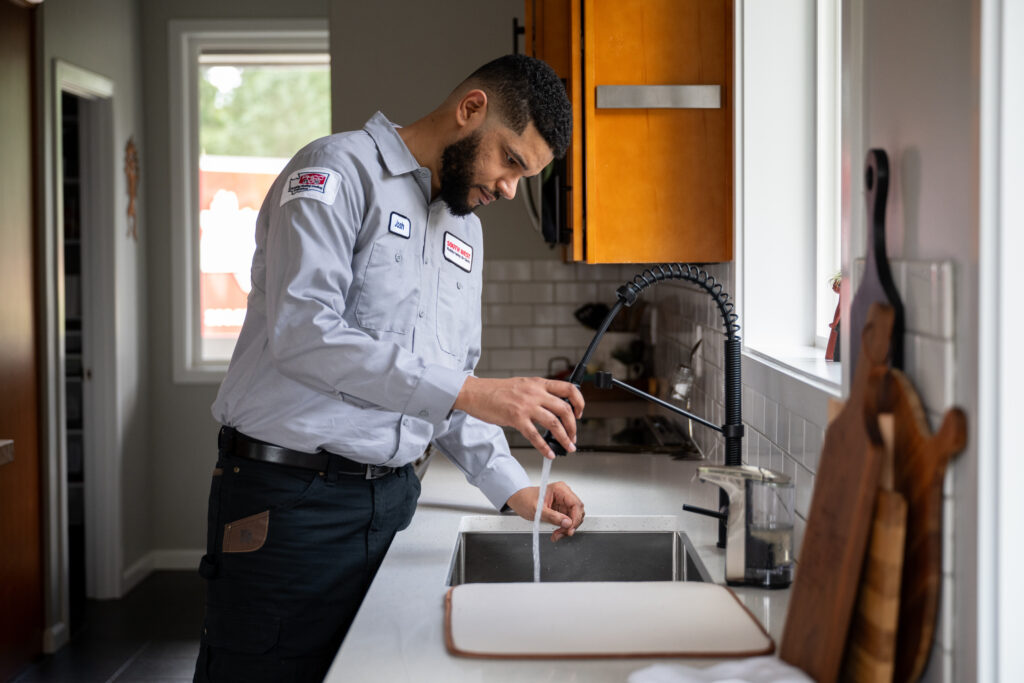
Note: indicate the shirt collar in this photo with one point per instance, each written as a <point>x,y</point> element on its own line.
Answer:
<point>397,157</point>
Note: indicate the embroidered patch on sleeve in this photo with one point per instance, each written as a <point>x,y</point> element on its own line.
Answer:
<point>400,225</point>
<point>320,184</point>
<point>458,252</point>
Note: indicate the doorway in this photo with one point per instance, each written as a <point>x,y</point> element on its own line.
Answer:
<point>82,485</point>
<point>76,363</point>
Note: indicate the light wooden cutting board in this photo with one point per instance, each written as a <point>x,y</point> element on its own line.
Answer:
<point>610,619</point>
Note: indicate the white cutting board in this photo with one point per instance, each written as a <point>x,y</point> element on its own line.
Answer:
<point>620,619</point>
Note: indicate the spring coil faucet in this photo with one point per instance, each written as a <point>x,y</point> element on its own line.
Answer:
<point>627,295</point>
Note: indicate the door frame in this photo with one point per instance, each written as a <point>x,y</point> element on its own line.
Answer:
<point>102,486</point>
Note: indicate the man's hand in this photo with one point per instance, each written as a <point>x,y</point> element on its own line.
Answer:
<point>523,402</point>
<point>561,507</point>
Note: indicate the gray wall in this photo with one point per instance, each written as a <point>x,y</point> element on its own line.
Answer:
<point>102,36</point>
<point>183,433</point>
<point>403,57</point>
<point>920,104</point>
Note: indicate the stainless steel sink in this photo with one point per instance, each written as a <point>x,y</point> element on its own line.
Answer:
<point>507,556</point>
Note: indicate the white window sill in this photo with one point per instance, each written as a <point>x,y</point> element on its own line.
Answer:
<point>803,363</point>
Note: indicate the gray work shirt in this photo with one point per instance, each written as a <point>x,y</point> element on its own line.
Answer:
<point>364,316</point>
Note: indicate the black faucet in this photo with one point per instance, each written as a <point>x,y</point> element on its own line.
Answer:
<point>732,430</point>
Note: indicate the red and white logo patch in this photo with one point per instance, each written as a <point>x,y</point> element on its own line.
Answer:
<point>320,184</point>
<point>458,252</point>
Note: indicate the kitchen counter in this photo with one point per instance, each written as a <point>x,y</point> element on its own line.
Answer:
<point>398,634</point>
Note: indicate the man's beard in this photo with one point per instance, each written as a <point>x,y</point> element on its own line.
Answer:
<point>457,163</point>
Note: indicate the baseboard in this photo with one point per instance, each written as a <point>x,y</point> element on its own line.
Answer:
<point>55,637</point>
<point>185,558</point>
<point>157,560</point>
<point>133,575</point>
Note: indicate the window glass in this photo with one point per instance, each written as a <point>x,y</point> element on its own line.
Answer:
<point>255,111</point>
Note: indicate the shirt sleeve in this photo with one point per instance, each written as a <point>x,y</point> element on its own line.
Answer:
<point>309,245</point>
<point>481,451</point>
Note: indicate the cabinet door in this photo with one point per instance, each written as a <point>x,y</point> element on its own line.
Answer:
<point>553,33</point>
<point>658,180</point>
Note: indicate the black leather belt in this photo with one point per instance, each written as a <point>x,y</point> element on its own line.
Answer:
<point>238,444</point>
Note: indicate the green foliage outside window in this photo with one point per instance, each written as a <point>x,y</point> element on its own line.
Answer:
<point>272,112</point>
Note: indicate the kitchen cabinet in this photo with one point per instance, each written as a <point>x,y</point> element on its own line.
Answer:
<point>648,177</point>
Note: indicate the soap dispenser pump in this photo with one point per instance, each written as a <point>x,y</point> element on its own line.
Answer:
<point>759,536</point>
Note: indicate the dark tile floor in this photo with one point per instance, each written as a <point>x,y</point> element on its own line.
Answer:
<point>152,635</point>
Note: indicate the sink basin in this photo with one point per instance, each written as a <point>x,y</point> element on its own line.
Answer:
<point>601,553</point>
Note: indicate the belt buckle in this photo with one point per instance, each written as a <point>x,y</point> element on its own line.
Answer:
<point>377,471</point>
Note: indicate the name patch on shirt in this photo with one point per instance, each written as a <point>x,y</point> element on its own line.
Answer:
<point>316,183</point>
<point>458,252</point>
<point>400,225</point>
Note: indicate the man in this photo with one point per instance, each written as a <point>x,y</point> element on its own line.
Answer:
<point>357,351</point>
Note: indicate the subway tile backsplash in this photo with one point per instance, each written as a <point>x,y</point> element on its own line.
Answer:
<point>528,308</point>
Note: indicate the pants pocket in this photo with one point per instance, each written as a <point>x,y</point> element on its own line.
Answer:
<point>248,534</point>
<point>412,496</point>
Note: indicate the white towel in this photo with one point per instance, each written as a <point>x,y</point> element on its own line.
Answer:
<point>753,670</point>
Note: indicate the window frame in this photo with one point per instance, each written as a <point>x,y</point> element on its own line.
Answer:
<point>186,41</point>
<point>808,233</point>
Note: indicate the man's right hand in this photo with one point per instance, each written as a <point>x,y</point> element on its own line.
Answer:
<point>523,403</point>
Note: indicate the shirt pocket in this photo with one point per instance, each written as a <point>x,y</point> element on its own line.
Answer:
<point>388,295</point>
<point>456,312</point>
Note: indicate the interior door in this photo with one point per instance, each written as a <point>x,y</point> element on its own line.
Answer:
<point>21,594</point>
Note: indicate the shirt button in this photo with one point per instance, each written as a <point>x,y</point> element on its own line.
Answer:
<point>422,313</point>
<point>423,413</point>
<point>458,285</point>
<point>398,257</point>
<point>426,261</point>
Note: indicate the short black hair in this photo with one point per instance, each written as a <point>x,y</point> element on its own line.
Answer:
<point>527,89</point>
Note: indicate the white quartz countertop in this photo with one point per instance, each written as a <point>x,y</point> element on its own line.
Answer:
<point>398,634</point>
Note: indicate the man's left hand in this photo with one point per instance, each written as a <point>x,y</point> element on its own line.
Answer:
<point>561,507</point>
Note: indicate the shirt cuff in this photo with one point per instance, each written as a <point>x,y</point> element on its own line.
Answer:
<point>435,394</point>
<point>503,477</point>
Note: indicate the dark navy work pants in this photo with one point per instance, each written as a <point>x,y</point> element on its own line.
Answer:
<point>290,555</point>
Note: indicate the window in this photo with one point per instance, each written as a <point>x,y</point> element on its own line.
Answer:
<point>788,209</point>
<point>246,98</point>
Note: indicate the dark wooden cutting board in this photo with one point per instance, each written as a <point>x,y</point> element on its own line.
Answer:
<point>919,469</point>
<point>839,519</point>
<point>877,283</point>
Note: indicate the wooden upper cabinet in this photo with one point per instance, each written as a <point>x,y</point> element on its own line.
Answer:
<point>649,174</point>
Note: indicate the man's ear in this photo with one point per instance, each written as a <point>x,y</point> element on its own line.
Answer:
<point>472,108</point>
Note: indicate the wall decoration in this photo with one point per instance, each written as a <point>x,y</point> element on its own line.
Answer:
<point>131,173</point>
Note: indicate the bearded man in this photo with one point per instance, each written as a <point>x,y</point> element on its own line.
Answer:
<point>357,352</point>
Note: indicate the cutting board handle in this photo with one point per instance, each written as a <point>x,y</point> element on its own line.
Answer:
<point>876,184</point>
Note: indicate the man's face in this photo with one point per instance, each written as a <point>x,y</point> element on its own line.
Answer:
<point>487,164</point>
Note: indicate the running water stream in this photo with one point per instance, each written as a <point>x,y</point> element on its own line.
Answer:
<point>544,473</point>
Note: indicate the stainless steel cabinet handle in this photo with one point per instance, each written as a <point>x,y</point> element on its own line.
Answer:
<point>659,96</point>
<point>6,451</point>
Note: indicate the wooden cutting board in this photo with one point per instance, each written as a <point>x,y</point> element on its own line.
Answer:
<point>839,519</point>
<point>871,648</point>
<point>919,469</point>
<point>600,619</point>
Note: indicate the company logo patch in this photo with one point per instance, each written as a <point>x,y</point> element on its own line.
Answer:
<point>400,225</point>
<point>320,184</point>
<point>458,252</point>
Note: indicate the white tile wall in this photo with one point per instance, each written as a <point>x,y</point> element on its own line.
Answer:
<point>528,310</point>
